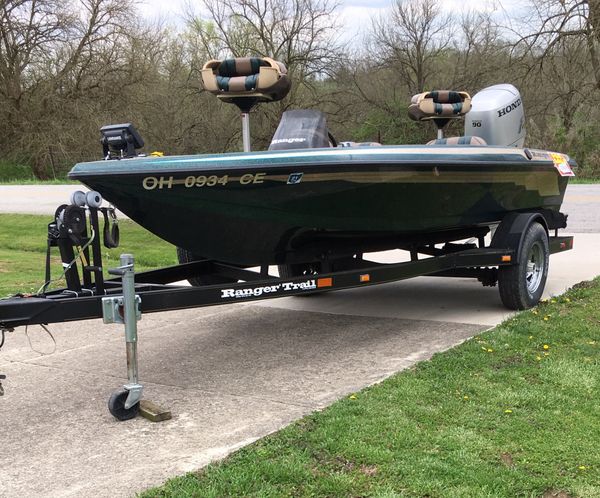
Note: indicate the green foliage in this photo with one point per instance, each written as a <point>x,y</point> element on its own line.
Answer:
<point>11,171</point>
<point>392,128</point>
<point>511,412</point>
<point>51,109</point>
<point>581,140</point>
<point>23,252</point>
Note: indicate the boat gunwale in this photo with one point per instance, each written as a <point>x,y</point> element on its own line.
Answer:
<point>352,166</point>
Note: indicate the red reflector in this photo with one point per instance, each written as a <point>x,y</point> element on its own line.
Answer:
<point>365,278</point>
<point>325,282</point>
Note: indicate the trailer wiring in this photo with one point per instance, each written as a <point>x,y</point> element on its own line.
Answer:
<point>31,345</point>
<point>79,255</point>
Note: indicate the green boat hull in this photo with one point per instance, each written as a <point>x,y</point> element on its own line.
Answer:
<point>277,207</point>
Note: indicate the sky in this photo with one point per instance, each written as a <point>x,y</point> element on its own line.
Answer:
<point>355,15</point>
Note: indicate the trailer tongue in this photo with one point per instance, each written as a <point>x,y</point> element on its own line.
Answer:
<point>516,258</point>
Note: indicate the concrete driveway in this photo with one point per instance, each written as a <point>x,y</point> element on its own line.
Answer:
<point>230,374</point>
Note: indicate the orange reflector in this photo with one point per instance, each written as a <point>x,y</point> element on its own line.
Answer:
<point>325,282</point>
<point>365,278</point>
<point>506,258</point>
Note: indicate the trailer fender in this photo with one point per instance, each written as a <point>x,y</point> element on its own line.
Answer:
<point>511,231</point>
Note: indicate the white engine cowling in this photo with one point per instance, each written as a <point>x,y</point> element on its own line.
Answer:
<point>497,116</point>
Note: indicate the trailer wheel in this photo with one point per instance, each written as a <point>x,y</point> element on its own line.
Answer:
<point>522,285</point>
<point>185,256</point>
<point>116,406</point>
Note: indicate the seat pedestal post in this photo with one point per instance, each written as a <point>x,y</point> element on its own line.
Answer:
<point>245,105</point>
<point>246,131</point>
<point>440,123</point>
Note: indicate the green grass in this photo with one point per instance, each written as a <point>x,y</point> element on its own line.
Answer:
<point>499,415</point>
<point>35,181</point>
<point>12,171</point>
<point>578,180</point>
<point>511,412</point>
<point>23,251</point>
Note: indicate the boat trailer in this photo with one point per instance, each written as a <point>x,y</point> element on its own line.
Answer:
<point>127,295</point>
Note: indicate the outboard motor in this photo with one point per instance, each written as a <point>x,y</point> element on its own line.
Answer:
<point>497,116</point>
<point>302,129</point>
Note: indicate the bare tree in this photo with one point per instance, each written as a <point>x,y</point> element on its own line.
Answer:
<point>303,34</point>
<point>479,55</point>
<point>53,53</point>
<point>555,21</point>
<point>299,33</point>
<point>411,38</point>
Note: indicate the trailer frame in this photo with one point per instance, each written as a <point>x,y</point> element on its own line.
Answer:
<point>126,296</point>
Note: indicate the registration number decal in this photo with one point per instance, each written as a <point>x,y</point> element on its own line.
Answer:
<point>193,181</point>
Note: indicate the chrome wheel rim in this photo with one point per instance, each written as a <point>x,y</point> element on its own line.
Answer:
<point>535,267</point>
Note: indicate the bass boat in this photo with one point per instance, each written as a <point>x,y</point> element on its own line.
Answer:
<point>310,199</point>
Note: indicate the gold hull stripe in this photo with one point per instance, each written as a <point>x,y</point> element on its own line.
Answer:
<point>544,182</point>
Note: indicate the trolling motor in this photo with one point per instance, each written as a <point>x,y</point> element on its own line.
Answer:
<point>69,231</point>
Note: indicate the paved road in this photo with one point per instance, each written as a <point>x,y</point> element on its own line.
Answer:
<point>230,374</point>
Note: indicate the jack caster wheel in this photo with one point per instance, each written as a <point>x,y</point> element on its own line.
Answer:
<point>116,406</point>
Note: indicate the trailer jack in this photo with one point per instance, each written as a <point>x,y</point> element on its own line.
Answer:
<point>127,402</point>
<point>124,404</point>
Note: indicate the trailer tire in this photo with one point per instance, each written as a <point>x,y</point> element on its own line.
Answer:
<point>522,285</point>
<point>185,256</point>
<point>116,406</point>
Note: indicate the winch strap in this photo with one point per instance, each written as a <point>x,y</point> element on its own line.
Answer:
<point>47,262</point>
<point>111,228</point>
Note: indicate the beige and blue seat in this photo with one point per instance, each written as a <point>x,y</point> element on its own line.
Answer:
<point>261,79</point>
<point>442,106</point>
